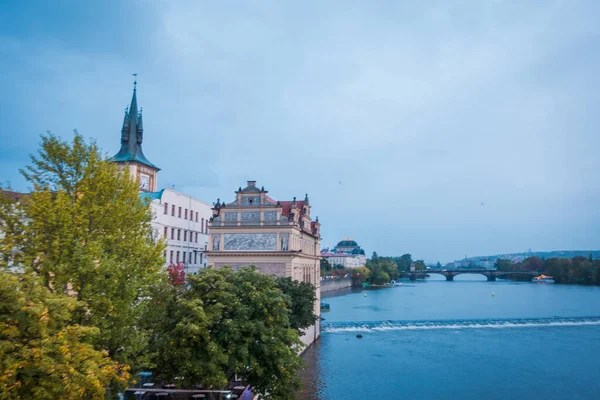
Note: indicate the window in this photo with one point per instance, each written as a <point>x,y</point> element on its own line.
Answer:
<point>166,232</point>
<point>171,259</point>
<point>179,212</point>
<point>185,236</point>
<point>197,216</point>
<point>196,237</point>
<point>178,234</point>
<point>166,208</point>
<point>185,217</point>
<point>172,211</point>
<point>177,256</point>
<point>173,233</point>
<point>195,258</point>
<point>201,258</point>
<point>202,226</point>
<point>190,257</point>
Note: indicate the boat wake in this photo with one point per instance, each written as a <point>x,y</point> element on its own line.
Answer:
<point>378,326</point>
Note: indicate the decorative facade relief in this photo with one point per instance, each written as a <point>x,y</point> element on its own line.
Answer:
<point>251,216</point>
<point>269,268</point>
<point>250,242</point>
<point>270,215</point>
<point>231,216</point>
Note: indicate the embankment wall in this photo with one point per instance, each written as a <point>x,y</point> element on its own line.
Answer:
<point>335,284</point>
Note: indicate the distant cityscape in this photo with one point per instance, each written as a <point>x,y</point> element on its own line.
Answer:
<point>488,262</point>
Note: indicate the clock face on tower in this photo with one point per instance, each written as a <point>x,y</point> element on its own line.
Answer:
<point>144,182</point>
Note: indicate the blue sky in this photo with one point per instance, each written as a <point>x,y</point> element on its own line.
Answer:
<point>439,128</point>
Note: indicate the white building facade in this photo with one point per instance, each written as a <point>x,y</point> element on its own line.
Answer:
<point>182,221</point>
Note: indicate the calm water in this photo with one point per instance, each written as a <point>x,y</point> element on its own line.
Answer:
<point>454,340</point>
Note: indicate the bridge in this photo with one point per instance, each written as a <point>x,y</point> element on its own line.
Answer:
<point>491,275</point>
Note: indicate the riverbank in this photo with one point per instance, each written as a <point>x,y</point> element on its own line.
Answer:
<point>330,284</point>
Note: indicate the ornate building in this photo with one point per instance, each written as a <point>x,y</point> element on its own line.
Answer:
<point>278,237</point>
<point>131,155</point>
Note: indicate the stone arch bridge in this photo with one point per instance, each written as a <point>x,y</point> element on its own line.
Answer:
<point>491,275</point>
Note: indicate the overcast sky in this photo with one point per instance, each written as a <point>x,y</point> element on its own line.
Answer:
<point>438,128</point>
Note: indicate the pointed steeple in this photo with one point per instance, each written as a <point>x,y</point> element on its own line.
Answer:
<point>132,135</point>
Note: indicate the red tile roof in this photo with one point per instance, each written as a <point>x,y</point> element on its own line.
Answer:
<point>270,200</point>
<point>287,207</point>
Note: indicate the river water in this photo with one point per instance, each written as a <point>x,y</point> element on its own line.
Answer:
<point>467,339</point>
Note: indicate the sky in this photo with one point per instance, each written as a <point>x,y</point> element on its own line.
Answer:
<point>443,129</point>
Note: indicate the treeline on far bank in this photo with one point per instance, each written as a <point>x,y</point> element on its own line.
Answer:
<point>380,270</point>
<point>377,271</point>
<point>577,270</point>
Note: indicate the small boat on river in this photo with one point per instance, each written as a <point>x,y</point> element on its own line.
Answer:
<point>325,307</point>
<point>394,283</point>
<point>542,279</point>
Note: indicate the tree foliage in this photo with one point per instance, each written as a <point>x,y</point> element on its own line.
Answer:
<point>362,273</point>
<point>382,270</point>
<point>229,323</point>
<point>577,270</point>
<point>302,300</point>
<point>43,355</point>
<point>85,232</point>
<point>403,262</point>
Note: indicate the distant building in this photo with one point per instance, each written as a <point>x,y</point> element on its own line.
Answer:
<point>278,237</point>
<point>347,254</point>
<point>178,218</point>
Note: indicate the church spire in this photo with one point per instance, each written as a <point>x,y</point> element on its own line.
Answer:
<point>132,134</point>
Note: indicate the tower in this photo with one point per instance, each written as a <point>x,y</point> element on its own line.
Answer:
<point>131,156</point>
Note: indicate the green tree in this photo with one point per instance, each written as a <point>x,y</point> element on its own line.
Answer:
<point>42,354</point>
<point>362,273</point>
<point>383,269</point>
<point>380,277</point>
<point>229,323</point>
<point>420,265</point>
<point>532,264</point>
<point>558,268</point>
<point>85,232</point>
<point>302,296</point>
<point>404,262</point>
<point>504,265</point>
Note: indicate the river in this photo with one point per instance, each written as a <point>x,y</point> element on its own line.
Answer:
<point>467,339</point>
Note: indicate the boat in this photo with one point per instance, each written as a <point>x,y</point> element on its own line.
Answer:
<point>394,283</point>
<point>325,307</point>
<point>542,279</point>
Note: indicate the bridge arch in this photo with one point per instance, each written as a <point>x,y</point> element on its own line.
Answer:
<point>438,274</point>
<point>478,274</point>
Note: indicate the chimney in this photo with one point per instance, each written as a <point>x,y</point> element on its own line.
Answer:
<point>251,183</point>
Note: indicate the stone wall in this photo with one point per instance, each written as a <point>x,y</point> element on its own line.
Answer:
<point>334,284</point>
<point>311,334</point>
